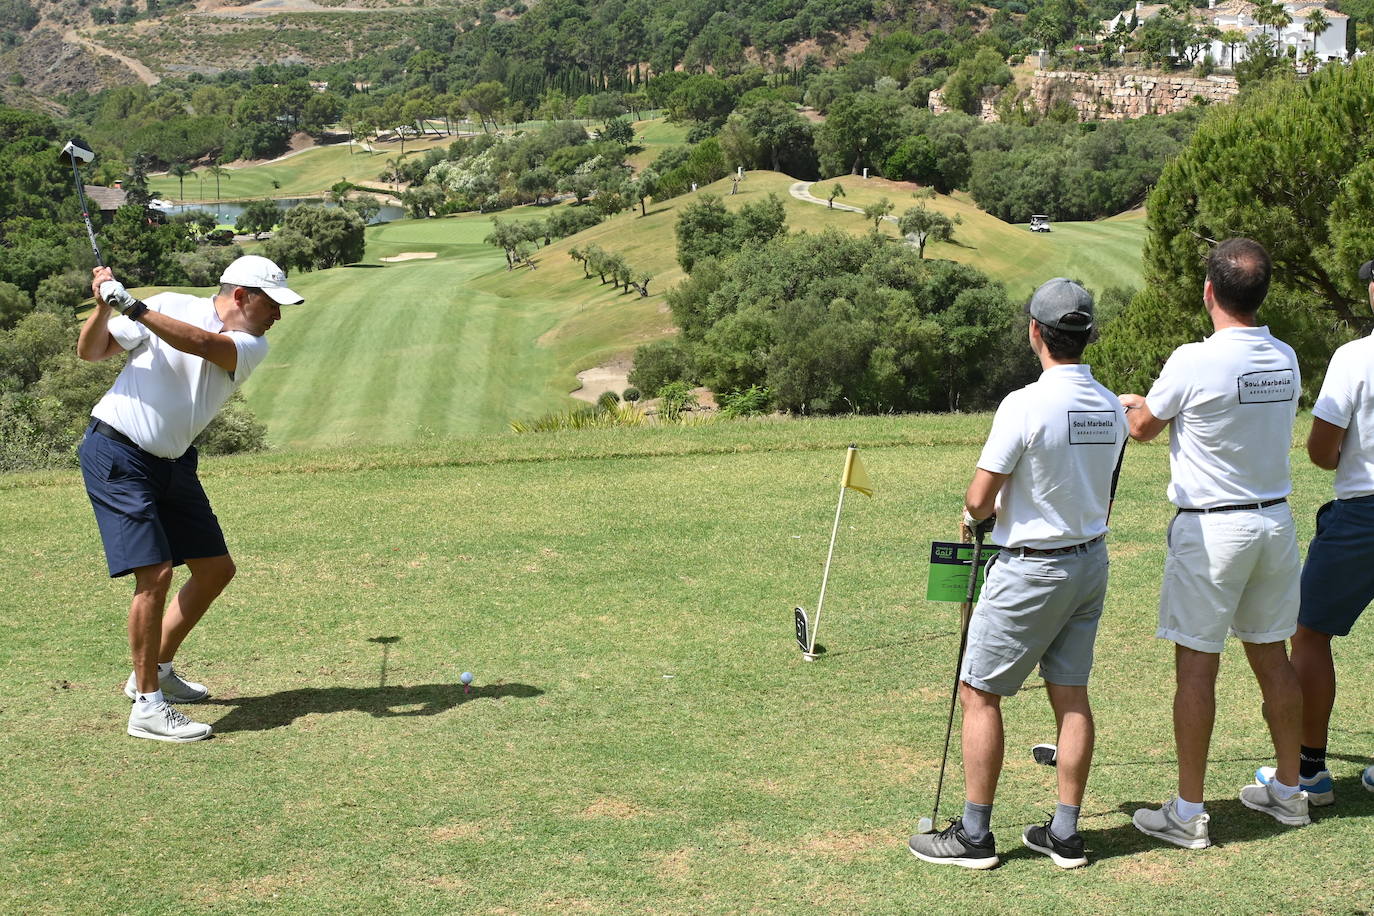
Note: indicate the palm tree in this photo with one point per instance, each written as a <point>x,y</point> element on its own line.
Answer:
<point>180,170</point>
<point>1316,25</point>
<point>218,171</point>
<point>1231,38</point>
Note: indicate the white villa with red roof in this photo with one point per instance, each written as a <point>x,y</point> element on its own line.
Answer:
<point>1239,16</point>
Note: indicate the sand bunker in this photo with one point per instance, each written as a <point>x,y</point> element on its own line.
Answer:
<point>412,256</point>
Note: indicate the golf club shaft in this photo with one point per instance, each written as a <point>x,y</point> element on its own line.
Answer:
<point>85,214</point>
<point>965,611</point>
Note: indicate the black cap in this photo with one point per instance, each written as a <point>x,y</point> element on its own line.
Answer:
<point>1062,304</point>
<point>1367,271</point>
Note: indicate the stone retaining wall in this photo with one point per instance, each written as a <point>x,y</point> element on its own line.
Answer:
<point>1115,95</point>
<point>1112,95</point>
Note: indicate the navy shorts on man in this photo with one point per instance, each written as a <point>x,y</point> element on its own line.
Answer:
<point>1338,579</point>
<point>149,510</point>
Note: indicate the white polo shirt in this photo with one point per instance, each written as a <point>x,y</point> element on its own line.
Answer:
<point>163,398</point>
<point>1233,398</point>
<point>1060,438</point>
<point>1347,401</point>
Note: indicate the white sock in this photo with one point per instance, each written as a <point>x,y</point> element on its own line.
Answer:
<point>152,699</point>
<point>1187,810</point>
<point>1281,791</point>
<point>164,669</point>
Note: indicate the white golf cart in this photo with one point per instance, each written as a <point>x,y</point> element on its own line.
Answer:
<point>1040,223</point>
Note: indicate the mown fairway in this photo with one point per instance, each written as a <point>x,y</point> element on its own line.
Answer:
<point>642,735</point>
<point>310,173</point>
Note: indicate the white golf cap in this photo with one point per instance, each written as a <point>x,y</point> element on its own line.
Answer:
<point>260,273</point>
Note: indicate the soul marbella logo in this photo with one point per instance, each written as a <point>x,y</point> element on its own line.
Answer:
<point>1266,387</point>
<point>1092,427</point>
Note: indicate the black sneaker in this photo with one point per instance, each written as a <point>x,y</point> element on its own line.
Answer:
<point>952,846</point>
<point>1066,853</point>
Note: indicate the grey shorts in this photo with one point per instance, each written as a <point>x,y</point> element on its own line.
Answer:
<point>1036,610</point>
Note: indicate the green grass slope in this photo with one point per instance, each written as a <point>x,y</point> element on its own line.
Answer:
<point>642,735</point>
<point>1099,254</point>
<point>309,173</point>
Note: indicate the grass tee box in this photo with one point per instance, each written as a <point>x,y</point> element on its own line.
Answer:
<point>641,734</point>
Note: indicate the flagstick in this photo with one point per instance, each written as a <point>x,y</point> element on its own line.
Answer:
<point>810,654</point>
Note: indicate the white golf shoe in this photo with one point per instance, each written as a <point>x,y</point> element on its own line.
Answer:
<point>163,722</point>
<point>174,688</point>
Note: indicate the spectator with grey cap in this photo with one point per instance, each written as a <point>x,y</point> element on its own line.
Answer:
<point>1232,564</point>
<point>187,355</point>
<point>1337,579</point>
<point>1043,487</point>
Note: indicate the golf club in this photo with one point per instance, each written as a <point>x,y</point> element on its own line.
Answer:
<point>927,824</point>
<point>74,152</point>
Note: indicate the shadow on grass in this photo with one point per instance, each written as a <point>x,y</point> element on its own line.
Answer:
<point>275,710</point>
<point>1231,822</point>
<point>363,266</point>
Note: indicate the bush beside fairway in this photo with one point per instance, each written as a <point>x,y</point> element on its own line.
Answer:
<point>642,735</point>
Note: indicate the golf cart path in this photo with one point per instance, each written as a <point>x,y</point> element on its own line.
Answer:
<point>801,190</point>
<point>143,73</point>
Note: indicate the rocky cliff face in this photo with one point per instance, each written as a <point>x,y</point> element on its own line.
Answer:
<point>1112,95</point>
<point>1116,95</point>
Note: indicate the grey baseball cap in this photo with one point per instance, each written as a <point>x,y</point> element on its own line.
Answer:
<point>1062,304</point>
<point>1367,271</point>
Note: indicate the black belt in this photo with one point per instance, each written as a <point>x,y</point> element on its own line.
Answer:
<point>1056,551</point>
<point>1240,507</point>
<point>100,427</point>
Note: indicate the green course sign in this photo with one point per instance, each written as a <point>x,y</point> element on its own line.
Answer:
<point>949,565</point>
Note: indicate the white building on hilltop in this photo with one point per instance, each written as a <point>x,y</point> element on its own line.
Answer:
<point>1238,16</point>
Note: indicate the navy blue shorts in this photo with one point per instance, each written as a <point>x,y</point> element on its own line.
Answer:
<point>150,510</point>
<point>1338,577</point>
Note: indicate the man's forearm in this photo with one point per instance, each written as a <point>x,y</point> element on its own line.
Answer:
<point>95,342</point>
<point>188,338</point>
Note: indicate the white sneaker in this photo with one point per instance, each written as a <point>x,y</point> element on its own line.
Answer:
<point>163,722</point>
<point>174,689</point>
<point>1321,791</point>
<point>1291,811</point>
<point>1164,824</point>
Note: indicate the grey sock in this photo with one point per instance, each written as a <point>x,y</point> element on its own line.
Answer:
<point>977,821</point>
<point>1065,823</point>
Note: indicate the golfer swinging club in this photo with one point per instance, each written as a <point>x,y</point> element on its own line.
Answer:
<point>187,355</point>
<point>1050,467</point>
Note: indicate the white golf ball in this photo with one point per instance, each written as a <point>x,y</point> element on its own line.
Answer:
<point>466,678</point>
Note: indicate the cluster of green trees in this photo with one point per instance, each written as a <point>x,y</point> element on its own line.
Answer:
<point>831,323</point>
<point>1289,166</point>
<point>521,239</point>
<point>611,265</point>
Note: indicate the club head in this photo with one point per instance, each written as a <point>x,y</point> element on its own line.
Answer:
<point>925,825</point>
<point>77,151</point>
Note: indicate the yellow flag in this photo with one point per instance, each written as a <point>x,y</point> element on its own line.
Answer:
<point>855,477</point>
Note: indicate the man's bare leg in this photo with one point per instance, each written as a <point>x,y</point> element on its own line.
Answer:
<point>209,576</point>
<point>1195,712</point>
<point>983,743</point>
<point>1317,673</point>
<point>145,622</point>
<point>1077,735</point>
<point>1283,703</point>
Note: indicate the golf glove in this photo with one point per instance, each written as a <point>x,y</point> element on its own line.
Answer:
<point>979,526</point>
<point>114,293</point>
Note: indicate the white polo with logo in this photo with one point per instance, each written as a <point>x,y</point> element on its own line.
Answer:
<point>1347,401</point>
<point>163,398</point>
<point>1060,438</point>
<point>1232,399</point>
